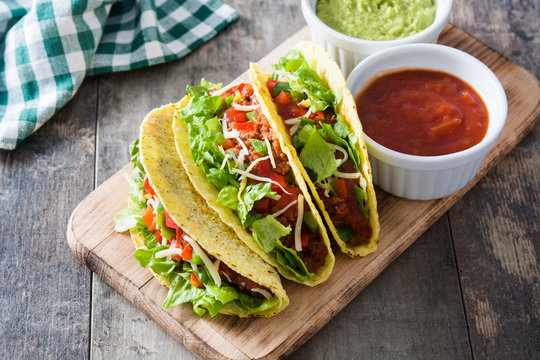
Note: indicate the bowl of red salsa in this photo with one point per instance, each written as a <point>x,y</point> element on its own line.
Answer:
<point>430,114</point>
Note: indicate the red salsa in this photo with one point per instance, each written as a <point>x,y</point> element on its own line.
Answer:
<point>422,112</point>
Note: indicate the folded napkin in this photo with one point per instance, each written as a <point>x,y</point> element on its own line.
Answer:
<point>47,47</point>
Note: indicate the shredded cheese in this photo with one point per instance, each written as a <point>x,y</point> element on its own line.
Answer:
<point>363,183</point>
<point>242,187</point>
<point>226,133</point>
<point>224,161</point>
<point>226,276</point>
<point>241,156</point>
<point>279,212</point>
<point>223,90</point>
<point>246,108</point>
<point>293,129</point>
<point>274,197</point>
<point>267,142</point>
<point>292,121</point>
<point>250,167</point>
<point>168,252</point>
<point>326,186</point>
<point>260,178</point>
<point>298,228</point>
<point>341,150</point>
<point>263,292</point>
<point>343,175</point>
<point>206,260</point>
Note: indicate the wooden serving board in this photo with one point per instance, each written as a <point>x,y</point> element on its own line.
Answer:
<point>93,240</point>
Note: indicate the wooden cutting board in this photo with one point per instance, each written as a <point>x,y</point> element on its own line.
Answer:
<point>92,239</point>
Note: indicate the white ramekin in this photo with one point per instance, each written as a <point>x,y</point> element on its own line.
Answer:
<point>348,51</point>
<point>431,177</point>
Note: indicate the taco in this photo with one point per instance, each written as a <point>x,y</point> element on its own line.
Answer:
<point>183,242</point>
<point>235,160</point>
<point>310,105</point>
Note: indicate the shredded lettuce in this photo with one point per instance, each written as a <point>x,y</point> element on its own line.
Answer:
<point>228,196</point>
<point>361,197</point>
<point>126,218</point>
<point>318,156</point>
<point>268,231</point>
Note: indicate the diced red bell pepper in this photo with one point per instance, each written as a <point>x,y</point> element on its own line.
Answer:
<point>187,253</point>
<point>248,126</point>
<point>158,236</point>
<point>282,98</point>
<point>148,216</point>
<point>195,281</point>
<point>270,85</point>
<point>148,187</point>
<point>279,179</point>
<point>262,206</point>
<point>169,221</point>
<point>341,188</point>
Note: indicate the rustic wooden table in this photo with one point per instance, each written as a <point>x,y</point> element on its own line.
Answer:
<point>468,288</point>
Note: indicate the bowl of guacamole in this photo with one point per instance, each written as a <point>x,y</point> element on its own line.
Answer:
<point>377,19</point>
<point>351,30</point>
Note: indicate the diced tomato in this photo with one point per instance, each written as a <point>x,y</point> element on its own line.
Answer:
<point>170,222</point>
<point>341,188</point>
<point>264,168</point>
<point>187,253</point>
<point>298,110</point>
<point>247,90</point>
<point>228,144</point>
<point>262,206</point>
<point>148,216</point>
<point>152,226</point>
<point>318,113</point>
<point>235,115</point>
<point>148,187</point>
<point>238,87</point>
<point>282,98</point>
<point>248,126</point>
<point>270,85</point>
<point>305,238</point>
<point>279,179</point>
<point>158,235</point>
<point>195,281</point>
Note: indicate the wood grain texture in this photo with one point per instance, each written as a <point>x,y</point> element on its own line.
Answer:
<point>402,221</point>
<point>44,291</point>
<point>495,226</point>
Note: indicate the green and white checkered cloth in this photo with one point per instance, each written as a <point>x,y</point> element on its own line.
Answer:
<point>47,47</point>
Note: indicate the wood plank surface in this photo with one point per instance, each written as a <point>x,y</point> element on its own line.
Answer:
<point>402,221</point>
<point>44,292</point>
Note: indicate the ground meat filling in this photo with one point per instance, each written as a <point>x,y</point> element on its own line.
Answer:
<point>239,282</point>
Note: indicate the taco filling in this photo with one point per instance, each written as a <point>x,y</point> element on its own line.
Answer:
<point>234,145</point>
<point>193,274</point>
<point>326,145</point>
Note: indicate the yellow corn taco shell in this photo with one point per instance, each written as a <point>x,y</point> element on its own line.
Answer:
<point>189,210</point>
<point>320,61</point>
<point>210,193</point>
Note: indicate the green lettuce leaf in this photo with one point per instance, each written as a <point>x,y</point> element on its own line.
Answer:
<point>345,232</point>
<point>126,218</point>
<point>318,156</point>
<point>181,291</point>
<point>228,196</point>
<point>289,259</point>
<point>361,198</point>
<point>253,304</point>
<point>134,151</point>
<point>268,231</point>
<point>147,258</point>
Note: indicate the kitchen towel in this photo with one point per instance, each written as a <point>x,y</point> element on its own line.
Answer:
<point>49,46</point>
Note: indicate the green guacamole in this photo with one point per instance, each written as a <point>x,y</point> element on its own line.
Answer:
<point>377,19</point>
